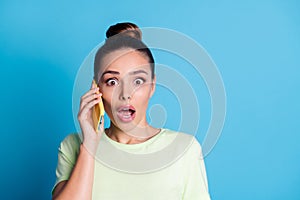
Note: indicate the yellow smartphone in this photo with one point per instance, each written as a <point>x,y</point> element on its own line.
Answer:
<point>98,112</point>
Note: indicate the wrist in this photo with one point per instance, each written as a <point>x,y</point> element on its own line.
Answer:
<point>89,147</point>
<point>87,150</point>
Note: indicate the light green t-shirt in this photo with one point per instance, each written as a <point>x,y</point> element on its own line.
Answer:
<point>183,177</point>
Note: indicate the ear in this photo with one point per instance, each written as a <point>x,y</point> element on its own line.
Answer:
<point>153,85</point>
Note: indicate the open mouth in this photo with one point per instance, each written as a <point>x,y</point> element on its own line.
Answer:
<point>126,113</point>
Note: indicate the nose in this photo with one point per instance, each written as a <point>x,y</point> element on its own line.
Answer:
<point>125,98</point>
<point>125,93</point>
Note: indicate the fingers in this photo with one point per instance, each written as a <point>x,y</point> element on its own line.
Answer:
<point>86,107</point>
<point>94,84</point>
<point>89,96</point>
<point>91,91</point>
<point>87,122</point>
<point>88,100</point>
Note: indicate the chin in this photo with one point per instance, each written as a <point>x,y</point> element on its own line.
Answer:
<point>127,126</point>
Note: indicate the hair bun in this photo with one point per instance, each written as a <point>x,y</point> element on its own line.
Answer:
<point>126,28</point>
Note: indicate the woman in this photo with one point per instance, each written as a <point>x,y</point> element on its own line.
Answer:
<point>124,73</point>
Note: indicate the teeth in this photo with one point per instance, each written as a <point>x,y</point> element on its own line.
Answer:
<point>127,109</point>
<point>126,116</point>
<point>126,113</point>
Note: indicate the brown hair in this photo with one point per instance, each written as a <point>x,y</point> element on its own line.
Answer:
<point>120,39</point>
<point>127,28</point>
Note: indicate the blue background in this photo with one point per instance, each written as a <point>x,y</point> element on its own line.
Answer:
<point>255,45</point>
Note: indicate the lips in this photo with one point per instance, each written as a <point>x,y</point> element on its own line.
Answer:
<point>126,113</point>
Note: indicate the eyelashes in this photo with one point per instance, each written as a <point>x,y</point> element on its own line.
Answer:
<point>114,81</point>
<point>139,81</point>
<point>111,82</point>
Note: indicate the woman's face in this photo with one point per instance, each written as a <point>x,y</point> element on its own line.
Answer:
<point>126,84</point>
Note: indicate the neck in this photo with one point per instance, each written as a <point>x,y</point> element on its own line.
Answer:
<point>133,136</point>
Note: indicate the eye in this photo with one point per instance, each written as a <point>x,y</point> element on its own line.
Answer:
<point>139,81</point>
<point>111,82</point>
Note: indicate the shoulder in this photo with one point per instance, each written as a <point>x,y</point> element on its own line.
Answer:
<point>70,144</point>
<point>184,141</point>
<point>180,136</point>
<point>177,134</point>
<point>72,139</point>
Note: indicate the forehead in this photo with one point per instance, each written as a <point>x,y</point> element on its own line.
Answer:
<point>124,61</point>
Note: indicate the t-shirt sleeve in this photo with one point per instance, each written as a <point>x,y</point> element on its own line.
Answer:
<point>67,157</point>
<point>196,186</point>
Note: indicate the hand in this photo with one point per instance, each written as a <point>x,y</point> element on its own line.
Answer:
<point>91,136</point>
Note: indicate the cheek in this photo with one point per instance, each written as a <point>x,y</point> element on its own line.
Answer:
<point>106,97</point>
<point>106,93</point>
<point>142,94</point>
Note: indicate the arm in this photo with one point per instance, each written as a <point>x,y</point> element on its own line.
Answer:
<point>196,186</point>
<point>80,182</point>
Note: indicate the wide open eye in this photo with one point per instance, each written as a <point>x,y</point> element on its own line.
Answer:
<point>112,82</point>
<point>139,81</point>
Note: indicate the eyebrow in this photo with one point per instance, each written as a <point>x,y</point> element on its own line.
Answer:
<point>138,72</point>
<point>131,73</point>
<point>110,72</point>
